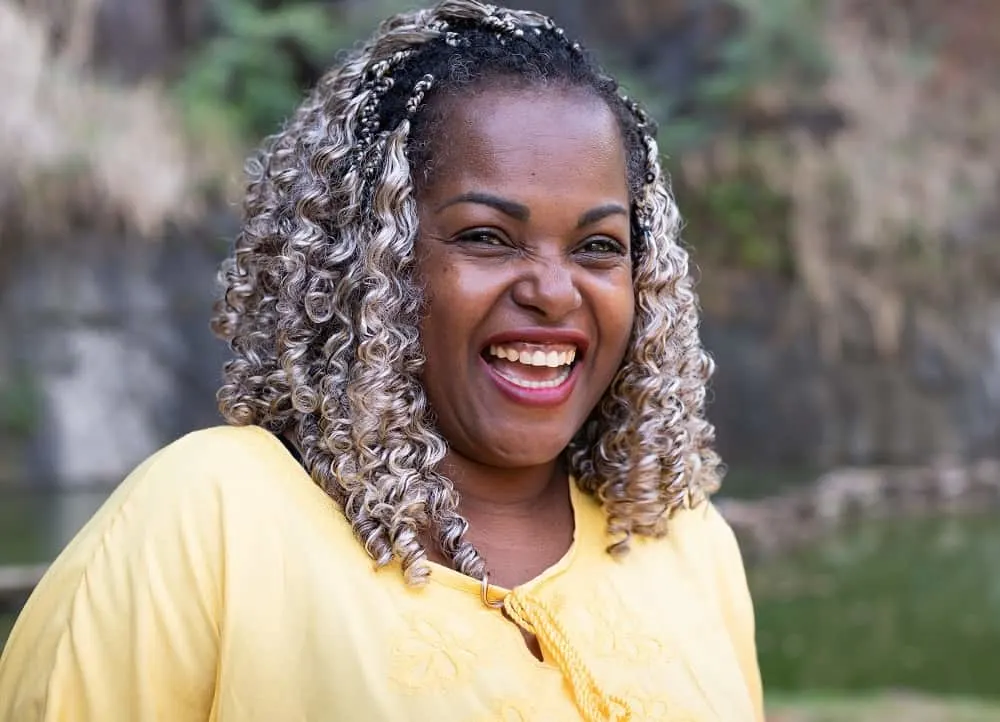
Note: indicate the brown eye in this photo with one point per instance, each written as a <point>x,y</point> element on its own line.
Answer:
<point>602,246</point>
<point>483,237</point>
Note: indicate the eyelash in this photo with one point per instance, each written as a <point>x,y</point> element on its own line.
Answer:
<point>612,246</point>
<point>495,240</point>
<point>476,236</point>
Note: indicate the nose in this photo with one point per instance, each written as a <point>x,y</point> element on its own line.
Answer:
<point>548,288</point>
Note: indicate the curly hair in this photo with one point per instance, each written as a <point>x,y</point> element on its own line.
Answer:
<point>322,310</point>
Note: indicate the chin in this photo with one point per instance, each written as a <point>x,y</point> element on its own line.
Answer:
<point>516,454</point>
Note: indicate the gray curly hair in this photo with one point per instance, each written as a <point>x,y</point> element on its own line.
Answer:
<point>322,311</point>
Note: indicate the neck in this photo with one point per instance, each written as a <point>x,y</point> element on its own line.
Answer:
<point>520,520</point>
<point>490,491</point>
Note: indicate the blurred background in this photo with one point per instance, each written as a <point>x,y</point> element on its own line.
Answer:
<point>838,165</point>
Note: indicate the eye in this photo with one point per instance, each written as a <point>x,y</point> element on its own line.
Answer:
<point>603,246</point>
<point>483,237</point>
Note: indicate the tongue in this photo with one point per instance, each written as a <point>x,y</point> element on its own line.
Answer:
<point>517,370</point>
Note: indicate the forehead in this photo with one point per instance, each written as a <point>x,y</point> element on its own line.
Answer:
<point>559,140</point>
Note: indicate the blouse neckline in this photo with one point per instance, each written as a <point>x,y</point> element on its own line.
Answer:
<point>456,580</point>
<point>441,574</point>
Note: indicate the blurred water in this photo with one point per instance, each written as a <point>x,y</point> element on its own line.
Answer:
<point>899,604</point>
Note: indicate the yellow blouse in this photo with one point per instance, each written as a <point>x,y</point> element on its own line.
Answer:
<point>219,583</point>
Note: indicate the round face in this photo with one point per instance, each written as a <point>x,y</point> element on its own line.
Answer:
<point>524,257</point>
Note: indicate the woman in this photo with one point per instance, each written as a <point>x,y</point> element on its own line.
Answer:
<point>466,470</point>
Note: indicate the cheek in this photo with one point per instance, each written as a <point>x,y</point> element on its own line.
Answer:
<point>453,304</point>
<point>437,303</point>
<point>436,277</point>
<point>619,315</point>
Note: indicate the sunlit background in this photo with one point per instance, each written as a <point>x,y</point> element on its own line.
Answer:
<point>838,166</point>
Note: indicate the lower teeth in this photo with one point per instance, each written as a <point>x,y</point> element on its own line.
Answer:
<point>525,384</point>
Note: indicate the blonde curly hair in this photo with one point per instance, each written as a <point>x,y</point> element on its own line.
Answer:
<point>322,312</point>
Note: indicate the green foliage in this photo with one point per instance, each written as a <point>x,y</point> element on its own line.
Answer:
<point>779,41</point>
<point>247,78</point>
<point>738,222</point>
<point>676,133</point>
<point>777,44</point>
<point>244,77</point>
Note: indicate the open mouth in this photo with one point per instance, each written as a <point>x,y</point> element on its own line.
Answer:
<point>533,366</point>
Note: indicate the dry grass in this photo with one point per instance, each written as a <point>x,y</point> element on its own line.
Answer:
<point>893,200</point>
<point>79,152</point>
<point>911,708</point>
<point>921,152</point>
<point>917,156</point>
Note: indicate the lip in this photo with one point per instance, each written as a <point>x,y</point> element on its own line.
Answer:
<point>535,334</point>
<point>539,398</point>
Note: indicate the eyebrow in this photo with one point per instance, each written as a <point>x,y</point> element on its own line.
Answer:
<point>511,208</point>
<point>520,212</point>
<point>600,213</point>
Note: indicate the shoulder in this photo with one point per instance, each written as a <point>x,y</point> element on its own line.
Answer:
<point>183,486</point>
<point>147,571</point>
<point>219,451</point>
<point>182,508</point>
<point>227,485</point>
<point>702,525</point>
<point>713,555</point>
<point>213,467</point>
<point>704,546</point>
<point>173,523</point>
<point>711,552</point>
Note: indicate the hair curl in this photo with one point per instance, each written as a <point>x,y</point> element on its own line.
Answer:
<point>322,312</point>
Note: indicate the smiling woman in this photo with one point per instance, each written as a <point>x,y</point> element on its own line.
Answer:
<point>465,349</point>
<point>521,254</point>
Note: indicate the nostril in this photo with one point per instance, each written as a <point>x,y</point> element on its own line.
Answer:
<point>550,292</point>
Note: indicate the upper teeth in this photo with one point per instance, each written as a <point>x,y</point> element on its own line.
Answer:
<point>552,359</point>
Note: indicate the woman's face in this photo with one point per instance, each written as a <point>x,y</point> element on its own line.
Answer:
<point>524,256</point>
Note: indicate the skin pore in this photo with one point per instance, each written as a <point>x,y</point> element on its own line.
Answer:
<point>524,244</point>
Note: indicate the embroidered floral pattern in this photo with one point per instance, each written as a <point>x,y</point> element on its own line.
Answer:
<point>630,654</point>
<point>527,710</point>
<point>506,711</point>
<point>470,668</point>
<point>657,708</point>
<point>429,658</point>
<point>617,635</point>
